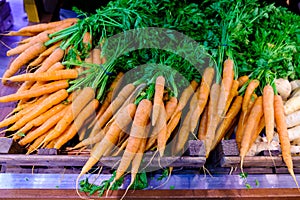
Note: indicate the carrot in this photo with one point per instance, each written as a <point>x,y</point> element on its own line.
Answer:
<point>39,91</point>
<point>230,116</point>
<point>45,116</point>
<point>203,93</point>
<point>253,120</point>
<point>161,130</point>
<point>87,40</point>
<point>249,91</point>
<point>185,96</point>
<point>113,107</point>
<point>17,33</point>
<point>85,96</point>
<point>50,101</point>
<point>203,124</point>
<point>113,87</point>
<point>45,26</point>
<point>56,56</point>
<point>111,137</point>
<point>96,54</point>
<point>23,59</point>
<point>36,143</point>
<point>137,134</point>
<point>242,121</point>
<point>136,162</point>
<point>46,76</point>
<point>242,80</point>
<point>183,134</point>
<point>39,120</point>
<point>44,55</point>
<point>172,124</point>
<point>76,125</point>
<point>44,128</point>
<point>258,129</point>
<point>184,129</point>
<point>212,116</point>
<point>283,135</point>
<point>225,88</point>
<point>233,93</point>
<point>169,110</point>
<point>32,84</point>
<point>27,84</point>
<point>92,139</point>
<point>24,111</point>
<point>158,96</point>
<point>268,106</point>
<point>170,107</point>
<point>29,103</point>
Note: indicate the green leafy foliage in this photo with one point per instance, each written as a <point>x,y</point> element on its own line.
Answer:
<point>91,188</point>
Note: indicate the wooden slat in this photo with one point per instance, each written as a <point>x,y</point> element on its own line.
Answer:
<point>261,194</point>
<point>69,160</point>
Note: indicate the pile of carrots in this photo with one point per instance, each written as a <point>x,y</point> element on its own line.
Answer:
<point>49,115</point>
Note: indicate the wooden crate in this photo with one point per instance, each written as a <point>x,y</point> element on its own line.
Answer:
<point>226,159</point>
<point>53,161</point>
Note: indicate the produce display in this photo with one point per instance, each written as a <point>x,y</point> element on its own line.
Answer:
<point>139,76</point>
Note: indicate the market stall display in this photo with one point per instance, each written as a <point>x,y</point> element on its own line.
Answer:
<point>150,76</point>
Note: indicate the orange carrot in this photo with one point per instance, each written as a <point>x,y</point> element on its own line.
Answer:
<point>185,96</point>
<point>253,120</point>
<point>113,87</point>
<point>257,131</point>
<point>230,116</point>
<point>225,88</point>
<point>87,40</point>
<point>137,134</point>
<point>45,26</point>
<point>212,116</point>
<point>76,125</point>
<point>44,55</point>
<point>23,59</point>
<point>36,143</point>
<point>24,111</point>
<point>202,96</point>
<point>203,124</point>
<point>56,56</point>
<point>113,107</point>
<point>242,121</point>
<point>283,135</point>
<point>39,120</point>
<point>158,96</point>
<point>40,38</point>
<point>27,84</point>
<point>17,33</point>
<point>44,128</point>
<point>136,162</point>
<point>39,91</point>
<point>161,130</point>
<point>249,91</point>
<point>268,106</point>
<point>233,93</point>
<point>185,127</point>
<point>171,106</point>
<point>46,76</point>
<point>111,137</point>
<point>85,96</point>
<point>96,54</point>
<point>242,80</point>
<point>50,101</point>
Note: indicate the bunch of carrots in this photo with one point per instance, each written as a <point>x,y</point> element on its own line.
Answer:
<point>58,100</point>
